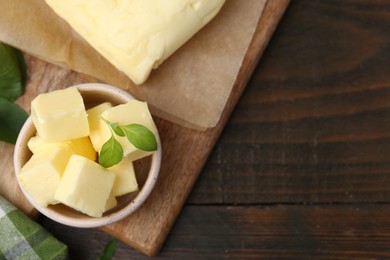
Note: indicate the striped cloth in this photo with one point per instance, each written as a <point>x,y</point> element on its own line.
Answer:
<point>22,238</point>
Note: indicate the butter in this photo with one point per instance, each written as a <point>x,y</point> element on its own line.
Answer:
<point>133,112</point>
<point>81,146</point>
<point>85,186</point>
<point>110,203</point>
<point>41,175</point>
<point>96,125</point>
<point>63,166</point>
<point>60,115</point>
<point>125,181</point>
<point>136,36</point>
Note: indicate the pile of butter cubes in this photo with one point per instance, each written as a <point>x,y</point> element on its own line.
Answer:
<point>63,167</point>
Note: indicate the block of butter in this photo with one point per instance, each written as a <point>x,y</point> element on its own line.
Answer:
<point>96,124</point>
<point>41,175</point>
<point>125,180</point>
<point>85,186</point>
<point>133,112</point>
<point>136,36</point>
<point>111,203</point>
<point>61,109</point>
<point>81,146</point>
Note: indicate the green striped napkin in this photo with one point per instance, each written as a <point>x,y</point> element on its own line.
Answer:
<point>22,238</point>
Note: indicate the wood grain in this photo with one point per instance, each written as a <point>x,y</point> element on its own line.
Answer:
<point>313,122</point>
<point>358,231</point>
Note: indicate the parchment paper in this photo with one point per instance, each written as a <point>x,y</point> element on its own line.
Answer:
<point>190,88</point>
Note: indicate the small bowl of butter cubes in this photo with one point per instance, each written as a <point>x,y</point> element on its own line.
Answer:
<point>88,156</point>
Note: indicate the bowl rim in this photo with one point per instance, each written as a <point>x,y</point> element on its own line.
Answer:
<point>91,222</point>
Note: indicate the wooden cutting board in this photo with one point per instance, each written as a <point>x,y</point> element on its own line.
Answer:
<point>185,151</point>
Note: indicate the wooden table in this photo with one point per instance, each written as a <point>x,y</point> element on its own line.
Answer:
<point>302,168</point>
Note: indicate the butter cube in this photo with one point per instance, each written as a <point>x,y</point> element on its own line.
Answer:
<point>81,146</point>
<point>85,186</point>
<point>136,36</point>
<point>110,203</point>
<point>125,181</point>
<point>41,175</point>
<point>60,115</point>
<point>96,125</point>
<point>133,112</point>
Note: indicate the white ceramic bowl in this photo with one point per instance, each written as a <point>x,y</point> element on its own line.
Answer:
<point>147,169</point>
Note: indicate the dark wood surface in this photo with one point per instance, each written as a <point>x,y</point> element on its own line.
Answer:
<point>302,168</point>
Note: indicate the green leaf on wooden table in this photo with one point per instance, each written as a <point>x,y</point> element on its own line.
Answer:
<point>111,153</point>
<point>11,77</point>
<point>109,250</point>
<point>140,137</point>
<point>12,118</point>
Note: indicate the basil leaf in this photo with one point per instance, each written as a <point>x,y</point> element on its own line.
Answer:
<point>11,80</point>
<point>111,153</point>
<point>22,65</point>
<point>140,137</point>
<point>12,118</point>
<point>109,250</point>
<point>115,127</point>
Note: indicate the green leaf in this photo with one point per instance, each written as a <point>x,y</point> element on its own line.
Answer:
<point>22,65</point>
<point>11,78</point>
<point>115,127</point>
<point>140,137</point>
<point>109,250</point>
<point>111,153</point>
<point>12,118</point>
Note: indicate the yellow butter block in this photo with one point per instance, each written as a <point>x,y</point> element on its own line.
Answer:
<point>60,115</point>
<point>110,203</point>
<point>41,175</point>
<point>133,112</point>
<point>136,36</point>
<point>85,186</point>
<point>96,125</point>
<point>125,181</point>
<point>81,146</point>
